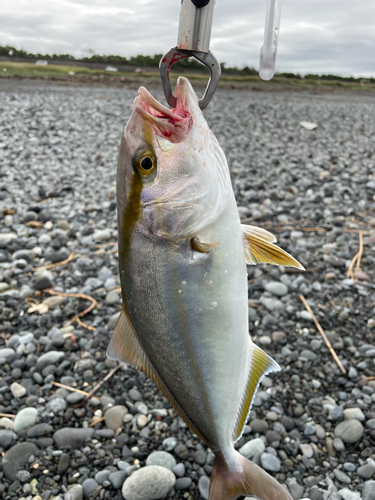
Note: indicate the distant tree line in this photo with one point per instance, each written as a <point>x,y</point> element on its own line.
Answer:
<point>153,61</point>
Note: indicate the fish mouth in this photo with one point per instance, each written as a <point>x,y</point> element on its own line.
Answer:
<point>171,124</point>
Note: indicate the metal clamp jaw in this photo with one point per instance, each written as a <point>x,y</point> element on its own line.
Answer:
<point>194,36</point>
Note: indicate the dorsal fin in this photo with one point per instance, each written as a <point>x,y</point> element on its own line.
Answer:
<point>260,250</point>
<point>125,346</point>
<point>261,364</point>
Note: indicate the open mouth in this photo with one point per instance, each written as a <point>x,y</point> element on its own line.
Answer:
<point>170,124</point>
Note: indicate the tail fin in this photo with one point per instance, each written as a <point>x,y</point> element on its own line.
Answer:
<point>243,477</point>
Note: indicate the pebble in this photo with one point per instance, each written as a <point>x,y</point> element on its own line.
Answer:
<point>368,491</point>
<point>355,413</point>
<point>350,431</point>
<point>169,443</point>
<point>204,485</point>
<point>341,476</point>
<point>117,478</point>
<point>74,493</point>
<point>367,470</point>
<point>182,483</point>
<point>179,470</point>
<point>88,486</point>
<point>25,418</point>
<point>57,405</point>
<point>276,288</point>
<point>347,494</point>
<point>17,456</point>
<point>148,483</point>
<point>270,462</point>
<point>114,416</point>
<point>18,390</point>
<point>252,448</point>
<point>161,458</point>
<point>71,437</point>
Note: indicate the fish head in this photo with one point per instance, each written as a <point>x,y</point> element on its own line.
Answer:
<point>172,175</point>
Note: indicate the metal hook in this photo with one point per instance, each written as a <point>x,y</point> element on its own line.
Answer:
<point>175,55</point>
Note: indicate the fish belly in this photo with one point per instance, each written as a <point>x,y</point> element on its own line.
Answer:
<point>191,316</point>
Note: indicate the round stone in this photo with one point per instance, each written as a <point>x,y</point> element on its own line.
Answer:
<point>182,483</point>
<point>17,390</point>
<point>114,416</point>
<point>350,431</point>
<point>258,425</point>
<point>252,448</point>
<point>161,458</point>
<point>276,288</point>
<point>56,405</point>
<point>204,487</point>
<point>169,443</point>
<point>270,462</point>
<point>25,418</point>
<point>88,486</point>
<point>368,491</point>
<point>148,483</point>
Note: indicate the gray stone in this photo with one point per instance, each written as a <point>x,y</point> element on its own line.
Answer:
<point>200,457</point>
<point>276,288</point>
<point>102,476</point>
<point>338,444</point>
<point>182,483</point>
<point>306,450</point>
<point>252,448</point>
<point>114,416</point>
<point>366,471</point>
<point>161,458</point>
<point>7,438</point>
<point>169,443</point>
<point>356,413</point>
<point>295,489</point>
<point>350,431</point>
<point>270,462</point>
<point>39,430</point>
<point>74,493</point>
<point>179,470</point>
<point>309,355</point>
<point>148,483</point>
<point>368,491</point>
<point>349,466</point>
<point>88,486</point>
<point>49,358</point>
<point>5,352</point>
<point>135,395</point>
<point>204,486</point>
<point>57,405</point>
<point>23,475</point>
<point>25,418</point>
<point>64,463</point>
<point>72,437</point>
<point>74,398</point>
<point>17,456</point>
<point>341,476</point>
<point>271,304</point>
<point>347,494</point>
<point>112,297</point>
<point>117,478</point>
<point>258,425</point>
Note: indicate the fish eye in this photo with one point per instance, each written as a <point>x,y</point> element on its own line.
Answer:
<point>144,162</point>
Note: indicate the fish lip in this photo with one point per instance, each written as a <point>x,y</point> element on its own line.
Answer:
<point>157,110</point>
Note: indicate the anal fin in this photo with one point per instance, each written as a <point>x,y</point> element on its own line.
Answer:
<point>125,346</point>
<point>261,365</point>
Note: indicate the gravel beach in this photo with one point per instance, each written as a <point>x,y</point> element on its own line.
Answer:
<point>312,426</point>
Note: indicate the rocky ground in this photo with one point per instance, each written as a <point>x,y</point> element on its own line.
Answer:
<point>312,426</point>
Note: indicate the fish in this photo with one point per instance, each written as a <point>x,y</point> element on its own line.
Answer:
<point>183,256</point>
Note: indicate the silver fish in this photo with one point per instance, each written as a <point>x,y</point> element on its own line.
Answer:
<point>182,258</point>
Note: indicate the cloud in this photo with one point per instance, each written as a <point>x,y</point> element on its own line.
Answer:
<point>324,36</point>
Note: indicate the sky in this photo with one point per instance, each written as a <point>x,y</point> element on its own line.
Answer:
<point>316,36</point>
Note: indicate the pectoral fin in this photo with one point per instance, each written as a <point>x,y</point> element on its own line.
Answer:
<point>126,347</point>
<point>259,249</point>
<point>261,364</point>
<point>201,247</point>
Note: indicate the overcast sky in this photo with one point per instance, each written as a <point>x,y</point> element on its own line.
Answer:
<point>318,36</point>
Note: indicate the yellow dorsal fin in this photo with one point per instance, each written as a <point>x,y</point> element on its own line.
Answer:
<point>125,346</point>
<point>260,232</point>
<point>259,250</point>
<point>261,365</point>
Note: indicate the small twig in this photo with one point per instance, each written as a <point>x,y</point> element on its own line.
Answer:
<point>96,420</point>
<point>6,415</point>
<point>71,257</point>
<point>84,325</point>
<point>368,378</point>
<point>68,388</point>
<point>360,253</point>
<point>356,258</point>
<point>321,331</point>
<point>79,296</point>
<point>107,377</point>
